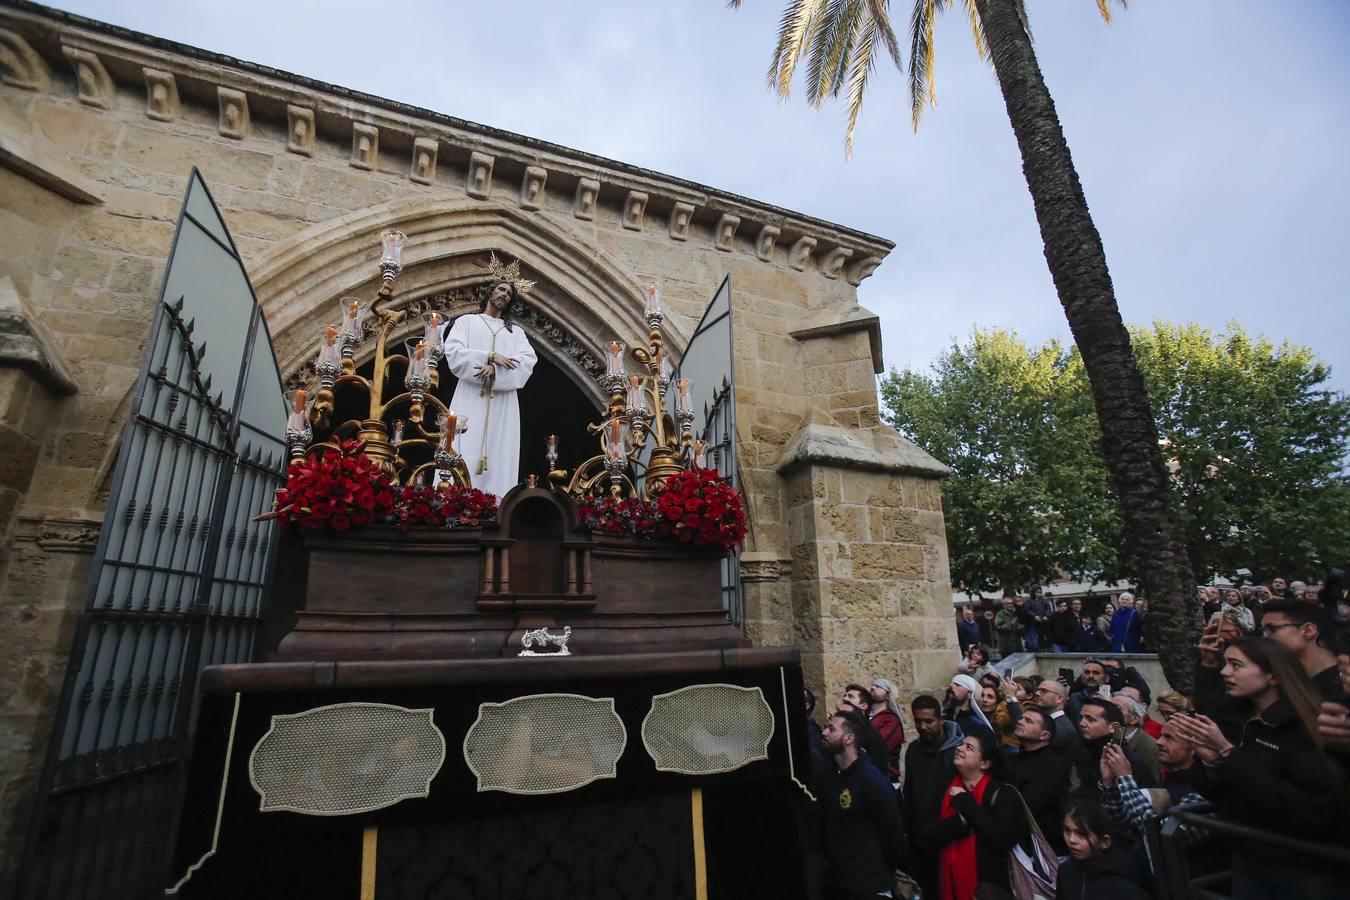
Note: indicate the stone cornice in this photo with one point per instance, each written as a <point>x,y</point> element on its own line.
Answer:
<point>834,447</point>
<point>104,55</point>
<point>855,319</point>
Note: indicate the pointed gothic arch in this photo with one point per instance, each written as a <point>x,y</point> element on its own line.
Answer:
<point>584,294</point>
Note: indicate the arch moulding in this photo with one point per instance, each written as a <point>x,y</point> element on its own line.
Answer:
<point>299,281</point>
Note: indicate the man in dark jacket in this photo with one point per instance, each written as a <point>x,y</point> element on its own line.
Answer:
<point>864,834</point>
<point>928,771</point>
<point>1100,723</point>
<point>1051,697</point>
<point>1063,629</point>
<point>967,629</point>
<point>1040,774</point>
<point>1089,687</point>
<point>857,698</point>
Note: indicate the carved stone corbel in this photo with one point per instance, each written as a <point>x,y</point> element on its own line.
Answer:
<point>300,129</point>
<point>634,207</point>
<point>233,113</point>
<point>161,95</point>
<point>588,192</point>
<point>726,231</point>
<point>832,263</point>
<point>800,254</point>
<point>680,217</point>
<point>862,269</point>
<point>92,81</point>
<point>20,64</point>
<point>766,241</point>
<point>365,146</point>
<point>480,175</point>
<point>532,187</point>
<point>423,170</point>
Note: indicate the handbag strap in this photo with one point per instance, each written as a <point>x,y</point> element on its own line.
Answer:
<point>1031,820</point>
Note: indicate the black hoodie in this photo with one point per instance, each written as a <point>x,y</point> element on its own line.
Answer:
<point>1110,876</point>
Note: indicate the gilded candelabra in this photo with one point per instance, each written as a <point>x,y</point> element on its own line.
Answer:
<point>636,412</point>
<point>336,368</point>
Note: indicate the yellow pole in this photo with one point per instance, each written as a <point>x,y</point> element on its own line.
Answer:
<point>700,856</point>
<point>368,843</point>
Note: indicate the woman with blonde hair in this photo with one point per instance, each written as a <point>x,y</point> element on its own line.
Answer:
<point>1275,777</point>
<point>1171,703</point>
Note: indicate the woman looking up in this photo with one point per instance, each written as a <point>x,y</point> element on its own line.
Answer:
<point>1272,774</point>
<point>981,819</point>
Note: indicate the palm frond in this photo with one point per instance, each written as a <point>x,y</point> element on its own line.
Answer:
<point>881,15</point>
<point>830,42</point>
<point>922,90</point>
<point>977,30</point>
<point>1104,7</point>
<point>792,31</point>
<point>859,71</point>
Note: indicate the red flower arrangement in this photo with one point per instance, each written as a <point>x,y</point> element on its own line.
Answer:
<point>611,515</point>
<point>698,507</point>
<point>440,507</point>
<point>340,490</point>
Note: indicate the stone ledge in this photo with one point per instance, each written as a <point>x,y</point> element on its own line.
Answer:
<point>270,94</point>
<point>22,345</point>
<point>25,154</point>
<point>831,446</point>
<point>855,319</point>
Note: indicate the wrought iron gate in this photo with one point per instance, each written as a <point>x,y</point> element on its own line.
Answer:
<point>708,361</point>
<point>178,579</point>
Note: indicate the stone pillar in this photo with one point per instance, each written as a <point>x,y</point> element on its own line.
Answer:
<point>32,623</point>
<point>870,584</point>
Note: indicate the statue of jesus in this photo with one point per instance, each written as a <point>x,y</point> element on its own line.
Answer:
<point>492,358</point>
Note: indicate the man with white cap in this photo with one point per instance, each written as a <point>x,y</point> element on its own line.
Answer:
<point>886,719</point>
<point>962,708</point>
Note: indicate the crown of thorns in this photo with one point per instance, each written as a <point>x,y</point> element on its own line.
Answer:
<point>510,274</point>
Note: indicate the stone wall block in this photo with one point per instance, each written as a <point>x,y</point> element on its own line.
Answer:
<point>680,217</point>
<point>588,194</point>
<point>234,120</point>
<point>724,235</point>
<point>365,146</point>
<point>93,85</point>
<point>20,64</point>
<point>300,129</point>
<point>889,561</point>
<point>422,169</point>
<point>634,210</point>
<point>161,95</point>
<point>532,187</point>
<point>479,179</point>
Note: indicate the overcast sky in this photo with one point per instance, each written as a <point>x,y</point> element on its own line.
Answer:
<point>1211,137</point>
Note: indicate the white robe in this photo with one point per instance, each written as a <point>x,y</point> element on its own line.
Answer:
<point>467,345</point>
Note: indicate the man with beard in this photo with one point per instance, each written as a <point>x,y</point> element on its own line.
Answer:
<point>1051,697</point>
<point>858,699</point>
<point>864,834</point>
<point>1101,723</point>
<point>1092,679</point>
<point>1040,774</point>
<point>929,769</point>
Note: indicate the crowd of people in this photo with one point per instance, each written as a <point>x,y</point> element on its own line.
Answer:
<point>1030,786</point>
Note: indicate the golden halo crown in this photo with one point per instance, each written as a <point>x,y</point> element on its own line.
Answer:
<point>509,274</point>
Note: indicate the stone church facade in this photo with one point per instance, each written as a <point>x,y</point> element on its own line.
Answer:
<point>99,129</point>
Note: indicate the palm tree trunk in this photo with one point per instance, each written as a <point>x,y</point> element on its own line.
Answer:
<point>1073,250</point>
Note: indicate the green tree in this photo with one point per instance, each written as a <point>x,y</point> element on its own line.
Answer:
<point>1028,495</point>
<point>1255,444</point>
<point>840,39</point>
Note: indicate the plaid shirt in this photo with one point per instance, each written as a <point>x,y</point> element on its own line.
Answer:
<point>1128,806</point>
